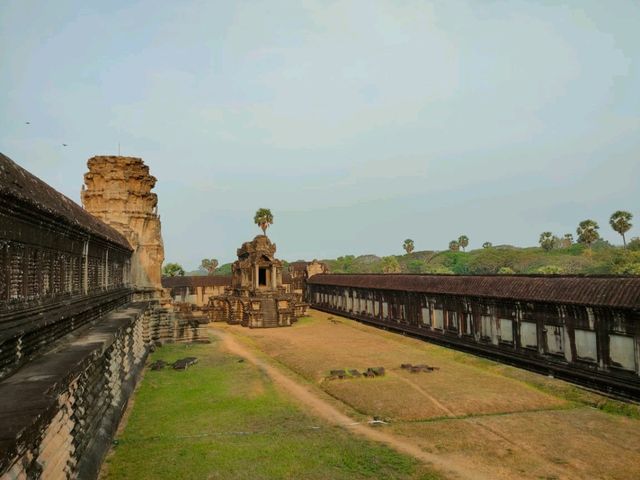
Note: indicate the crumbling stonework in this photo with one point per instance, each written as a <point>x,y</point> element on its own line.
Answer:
<point>257,297</point>
<point>117,190</point>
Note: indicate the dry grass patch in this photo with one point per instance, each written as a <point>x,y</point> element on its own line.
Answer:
<point>319,345</point>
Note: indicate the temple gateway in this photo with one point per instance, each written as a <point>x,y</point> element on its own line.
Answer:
<point>257,298</point>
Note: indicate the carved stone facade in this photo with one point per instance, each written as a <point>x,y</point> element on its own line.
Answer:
<point>257,297</point>
<point>301,271</point>
<point>117,190</point>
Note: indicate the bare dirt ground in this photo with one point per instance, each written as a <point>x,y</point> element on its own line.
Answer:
<point>470,419</point>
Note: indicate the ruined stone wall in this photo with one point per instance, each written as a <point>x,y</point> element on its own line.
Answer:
<point>596,345</point>
<point>60,268</point>
<point>58,414</point>
<point>117,190</point>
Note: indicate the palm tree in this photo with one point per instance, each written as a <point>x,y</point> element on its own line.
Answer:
<point>209,265</point>
<point>408,245</point>
<point>463,241</point>
<point>263,218</point>
<point>567,241</point>
<point>620,221</point>
<point>546,240</point>
<point>487,245</point>
<point>454,246</point>
<point>588,232</point>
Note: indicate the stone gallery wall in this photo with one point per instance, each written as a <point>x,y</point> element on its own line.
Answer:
<point>61,268</point>
<point>59,413</point>
<point>584,329</point>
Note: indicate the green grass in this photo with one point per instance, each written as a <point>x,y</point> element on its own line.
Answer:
<point>224,419</point>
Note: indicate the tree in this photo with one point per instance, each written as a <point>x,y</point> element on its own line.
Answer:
<point>588,232</point>
<point>408,245</point>
<point>263,218</point>
<point>416,266</point>
<point>172,270</point>
<point>567,240</point>
<point>454,246</point>
<point>487,245</point>
<point>634,244</point>
<point>209,265</point>
<point>463,241</point>
<point>620,221</point>
<point>546,240</point>
<point>390,265</point>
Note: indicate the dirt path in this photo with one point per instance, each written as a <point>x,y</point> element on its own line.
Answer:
<point>329,413</point>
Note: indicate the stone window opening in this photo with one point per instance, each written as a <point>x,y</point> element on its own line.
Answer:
<point>262,277</point>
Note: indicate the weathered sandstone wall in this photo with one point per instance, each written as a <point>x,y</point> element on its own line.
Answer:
<point>117,190</point>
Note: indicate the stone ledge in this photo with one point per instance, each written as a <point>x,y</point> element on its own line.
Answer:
<point>33,397</point>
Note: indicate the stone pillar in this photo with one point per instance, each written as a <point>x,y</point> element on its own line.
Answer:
<point>117,190</point>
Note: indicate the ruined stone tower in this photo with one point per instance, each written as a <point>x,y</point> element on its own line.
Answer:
<point>117,190</point>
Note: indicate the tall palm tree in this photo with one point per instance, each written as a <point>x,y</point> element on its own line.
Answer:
<point>546,240</point>
<point>588,232</point>
<point>209,265</point>
<point>463,241</point>
<point>408,245</point>
<point>620,221</point>
<point>263,218</point>
<point>487,245</point>
<point>567,241</point>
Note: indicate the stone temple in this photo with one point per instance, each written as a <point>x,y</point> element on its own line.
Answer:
<point>257,297</point>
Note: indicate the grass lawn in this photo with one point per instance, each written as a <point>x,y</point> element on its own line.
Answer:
<point>224,419</point>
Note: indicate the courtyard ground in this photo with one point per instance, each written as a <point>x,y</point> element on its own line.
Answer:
<point>472,414</point>
<point>259,418</point>
<point>224,418</point>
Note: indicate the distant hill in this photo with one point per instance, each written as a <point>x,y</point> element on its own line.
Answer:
<point>575,259</point>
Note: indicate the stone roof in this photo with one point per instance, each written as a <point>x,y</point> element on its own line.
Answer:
<point>18,185</point>
<point>205,281</point>
<point>196,281</point>
<point>607,291</point>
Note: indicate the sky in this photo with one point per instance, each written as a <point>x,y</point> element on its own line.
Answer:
<point>358,123</point>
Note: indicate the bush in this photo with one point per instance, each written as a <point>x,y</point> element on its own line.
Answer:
<point>550,270</point>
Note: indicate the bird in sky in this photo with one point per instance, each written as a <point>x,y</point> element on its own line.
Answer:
<point>65,145</point>
<point>27,123</point>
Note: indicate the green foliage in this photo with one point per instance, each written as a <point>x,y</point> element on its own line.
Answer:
<point>506,271</point>
<point>225,419</point>
<point>547,241</point>
<point>390,265</point>
<point>634,244</point>
<point>210,265</point>
<point>487,245</point>
<point>454,245</point>
<point>437,269</point>
<point>588,232</point>
<point>567,240</point>
<point>263,218</point>
<point>172,270</point>
<point>416,266</point>
<point>620,221</point>
<point>550,270</point>
<point>225,269</point>
<point>408,245</point>
<point>343,264</point>
<point>463,241</point>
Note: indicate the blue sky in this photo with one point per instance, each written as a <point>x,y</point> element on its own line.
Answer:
<point>359,123</point>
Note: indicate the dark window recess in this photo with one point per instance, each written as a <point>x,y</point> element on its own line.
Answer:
<point>262,277</point>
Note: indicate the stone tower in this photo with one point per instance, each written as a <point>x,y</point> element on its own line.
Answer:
<point>117,190</point>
